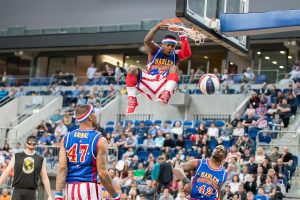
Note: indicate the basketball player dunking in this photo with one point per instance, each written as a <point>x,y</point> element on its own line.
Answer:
<point>208,177</point>
<point>83,157</point>
<point>159,82</point>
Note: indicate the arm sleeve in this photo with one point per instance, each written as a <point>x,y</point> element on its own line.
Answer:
<point>185,51</point>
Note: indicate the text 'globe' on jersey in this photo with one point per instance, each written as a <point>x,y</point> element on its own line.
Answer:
<point>209,83</point>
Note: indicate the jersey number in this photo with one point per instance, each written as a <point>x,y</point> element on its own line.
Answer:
<point>72,153</point>
<point>208,192</point>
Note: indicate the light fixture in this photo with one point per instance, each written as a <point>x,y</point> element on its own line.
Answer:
<point>137,61</point>
<point>205,57</point>
<point>290,57</point>
<point>281,67</point>
<point>127,56</point>
<point>267,57</point>
<point>282,52</point>
<point>231,63</point>
<point>258,52</point>
<point>274,62</point>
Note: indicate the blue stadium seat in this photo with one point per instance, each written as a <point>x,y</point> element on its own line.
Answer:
<point>148,122</point>
<point>194,154</point>
<point>295,161</point>
<point>137,122</point>
<point>156,153</point>
<point>158,122</point>
<point>109,129</point>
<point>253,132</point>
<point>212,144</point>
<point>226,144</point>
<point>140,140</point>
<point>143,155</point>
<point>68,93</point>
<point>122,122</point>
<point>187,124</point>
<point>170,122</point>
<point>237,78</point>
<point>197,123</point>
<point>189,132</point>
<point>220,123</point>
<point>262,137</point>
<point>197,91</point>
<point>207,123</point>
<point>188,143</point>
<point>261,79</point>
<point>110,124</point>
<point>285,91</point>
<point>191,91</point>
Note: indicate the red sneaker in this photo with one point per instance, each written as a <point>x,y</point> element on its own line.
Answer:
<point>164,97</point>
<point>132,104</point>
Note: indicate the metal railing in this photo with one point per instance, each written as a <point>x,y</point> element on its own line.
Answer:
<point>108,98</point>
<point>142,117</point>
<point>226,118</point>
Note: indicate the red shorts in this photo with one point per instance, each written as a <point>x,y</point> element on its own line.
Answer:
<point>83,191</point>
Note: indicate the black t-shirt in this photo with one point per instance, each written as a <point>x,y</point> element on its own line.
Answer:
<point>169,143</point>
<point>27,170</point>
<point>287,157</point>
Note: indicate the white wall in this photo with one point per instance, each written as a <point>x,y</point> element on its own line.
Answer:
<point>8,112</point>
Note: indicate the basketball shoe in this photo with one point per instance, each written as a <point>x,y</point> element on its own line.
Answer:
<point>132,104</point>
<point>164,97</point>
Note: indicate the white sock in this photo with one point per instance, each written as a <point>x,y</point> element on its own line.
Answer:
<point>171,85</point>
<point>131,91</point>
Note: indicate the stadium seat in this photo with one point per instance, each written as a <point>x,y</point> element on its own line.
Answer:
<point>68,93</point>
<point>156,153</point>
<point>261,79</point>
<point>187,124</point>
<point>189,132</point>
<point>109,130</point>
<point>295,161</point>
<point>140,140</point>
<point>191,91</point>
<point>237,78</point>
<point>170,122</point>
<point>188,143</point>
<point>227,144</point>
<point>220,123</point>
<point>148,122</point>
<point>194,154</point>
<point>158,122</point>
<point>212,144</point>
<point>207,123</point>
<point>197,123</point>
<point>143,155</point>
<point>197,91</point>
<point>137,122</point>
<point>263,138</point>
<point>253,132</point>
<point>110,124</point>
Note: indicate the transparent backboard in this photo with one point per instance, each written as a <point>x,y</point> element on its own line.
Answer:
<point>204,15</point>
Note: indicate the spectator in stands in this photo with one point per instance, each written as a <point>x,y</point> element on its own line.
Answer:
<point>180,143</point>
<point>184,89</point>
<point>3,79</point>
<point>264,89</point>
<point>142,130</point>
<point>281,170</point>
<point>286,80</point>
<point>261,109</point>
<point>5,195</point>
<point>118,129</point>
<point>250,111</point>
<point>296,92</point>
<point>148,143</point>
<point>44,140</point>
<point>91,73</point>
<point>234,184</point>
<point>236,120</point>
<point>181,196</point>
<point>165,175</point>
<point>149,190</point>
<point>261,123</point>
<point>272,110</point>
<point>245,157</point>
<point>252,166</point>
<point>129,127</point>
<point>165,128</point>
<point>260,194</point>
<point>177,129</point>
<point>226,134</point>
<point>166,195</point>
<point>213,131</point>
<point>269,188</point>
<point>159,140</point>
<point>131,141</point>
<point>277,123</point>
<point>56,117</point>
<point>254,100</point>
<point>60,131</point>
<point>249,122</point>
<point>295,74</point>
<point>273,175</point>
<point>81,100</point>
<point>202,130</point>
<point>153,130</point>
<point>285,112</point>
<point>286,155</point>
<point>280,97</point>
<point>67,119</point>
<point>118,73</point>
<point>249,75</point>
<point>241,192</point>
<point>227,194</point>
<point>140,172</point>
<point>274,156</point>
<point>260,156</point>
<point>199,72</point>
<point>238,131</point>
<point>243,177</point>
<point>121,141</point>
<point>292,101</point>
<point>168,143</point>
<point>17,148</point>
<point>260,177</point>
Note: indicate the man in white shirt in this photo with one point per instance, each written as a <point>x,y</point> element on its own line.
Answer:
<point>91,73</point>
<point>295,74</point>
<point>60,131</point>
<point>249,74</point>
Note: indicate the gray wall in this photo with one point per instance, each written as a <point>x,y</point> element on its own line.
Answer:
<point>269,5</point>
<point>68,13</point>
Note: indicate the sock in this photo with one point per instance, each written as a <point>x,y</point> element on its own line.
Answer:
<point>131,81</point>
<point>173,79</point>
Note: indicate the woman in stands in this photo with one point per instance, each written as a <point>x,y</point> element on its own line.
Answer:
<point>202,130</point>
<point>260,156</point>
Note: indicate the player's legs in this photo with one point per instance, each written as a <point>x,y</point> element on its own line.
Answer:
<point>24,194</point>
<point>171,84</point>
<point>81,191</point>
<point>131,82</point>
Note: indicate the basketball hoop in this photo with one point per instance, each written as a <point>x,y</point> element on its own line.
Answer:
<point>176,25</point>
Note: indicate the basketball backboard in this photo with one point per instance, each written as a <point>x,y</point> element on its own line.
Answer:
<point>204,15</point>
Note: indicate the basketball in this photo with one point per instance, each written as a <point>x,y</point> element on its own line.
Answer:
<point>209,83</point>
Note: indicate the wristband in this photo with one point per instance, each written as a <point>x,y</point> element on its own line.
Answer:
<point>59,196</point>
<point>185,180</point>
<point>117,196</point>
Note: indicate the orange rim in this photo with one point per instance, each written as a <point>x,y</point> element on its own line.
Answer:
<point>174,20</point>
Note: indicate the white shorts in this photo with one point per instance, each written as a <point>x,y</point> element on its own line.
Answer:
<point>83,191</point>
<point>151,85</point>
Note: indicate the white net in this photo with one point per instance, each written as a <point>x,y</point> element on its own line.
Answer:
<point>176,25</point>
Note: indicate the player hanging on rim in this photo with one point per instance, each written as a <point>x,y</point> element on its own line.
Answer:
<point>208,177</point>
<point>161,78</point>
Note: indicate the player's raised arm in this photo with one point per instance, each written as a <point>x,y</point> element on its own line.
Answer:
<point>61,171</point>
<point>185,51</point>
<point>102,168</point>
<point>180,175</point>
<point>150,45</point>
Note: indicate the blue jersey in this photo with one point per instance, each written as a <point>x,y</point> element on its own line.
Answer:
<point>164,62</point>
<point>81,152</point>
<point>207,181</point>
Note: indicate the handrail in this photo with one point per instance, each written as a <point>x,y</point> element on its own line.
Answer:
<point>6,100</point>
